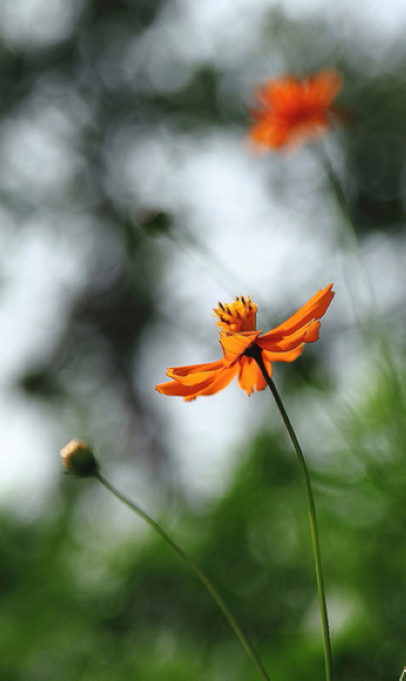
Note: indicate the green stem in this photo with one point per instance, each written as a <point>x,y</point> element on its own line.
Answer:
<point>340,195</point>
<point>196,569</point>
<point>352,246</point>
<point>256,353</point>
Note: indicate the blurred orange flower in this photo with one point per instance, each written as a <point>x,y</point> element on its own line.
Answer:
<point>294,111</point>
<point>238,333</point>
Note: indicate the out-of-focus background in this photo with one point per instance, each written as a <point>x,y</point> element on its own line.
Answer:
<point>130,203</point>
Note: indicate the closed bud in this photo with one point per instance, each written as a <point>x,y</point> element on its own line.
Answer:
<point>78,458</point>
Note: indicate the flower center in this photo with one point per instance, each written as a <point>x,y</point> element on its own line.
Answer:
<point>238,316</point>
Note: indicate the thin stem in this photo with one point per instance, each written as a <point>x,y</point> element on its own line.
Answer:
<point>207,259</point>
<point>347,238</point>
<point>196,569</point>
<point>353,248</point>
<point>256,353</point>
<point>340,193</point>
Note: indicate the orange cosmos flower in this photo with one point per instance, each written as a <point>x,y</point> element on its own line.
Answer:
<point>294,111</point>
<point>237,334</point>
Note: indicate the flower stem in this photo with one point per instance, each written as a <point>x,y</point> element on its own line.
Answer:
<point>352,246</point>
<point>196,569</point>
<point>341,196</point>
<point>256,353</point>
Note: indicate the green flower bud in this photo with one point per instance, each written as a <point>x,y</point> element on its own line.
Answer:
<point>78,458</point>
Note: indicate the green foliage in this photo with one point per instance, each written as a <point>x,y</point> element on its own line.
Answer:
<point>77,609</point>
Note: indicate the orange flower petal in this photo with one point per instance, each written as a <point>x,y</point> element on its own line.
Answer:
<point>309,333</point>
<point>250,377</point>
<point>194,373</point>
<point>313,309</point>
<point>293,110</point>
<point>218,382</point>
<point>176,389</point>
<point>325,86</point>
<point>234,345</point>
<point>204,383</point>
<point>272,134</point>
<point>288,356</point>
<point>268,365</point>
